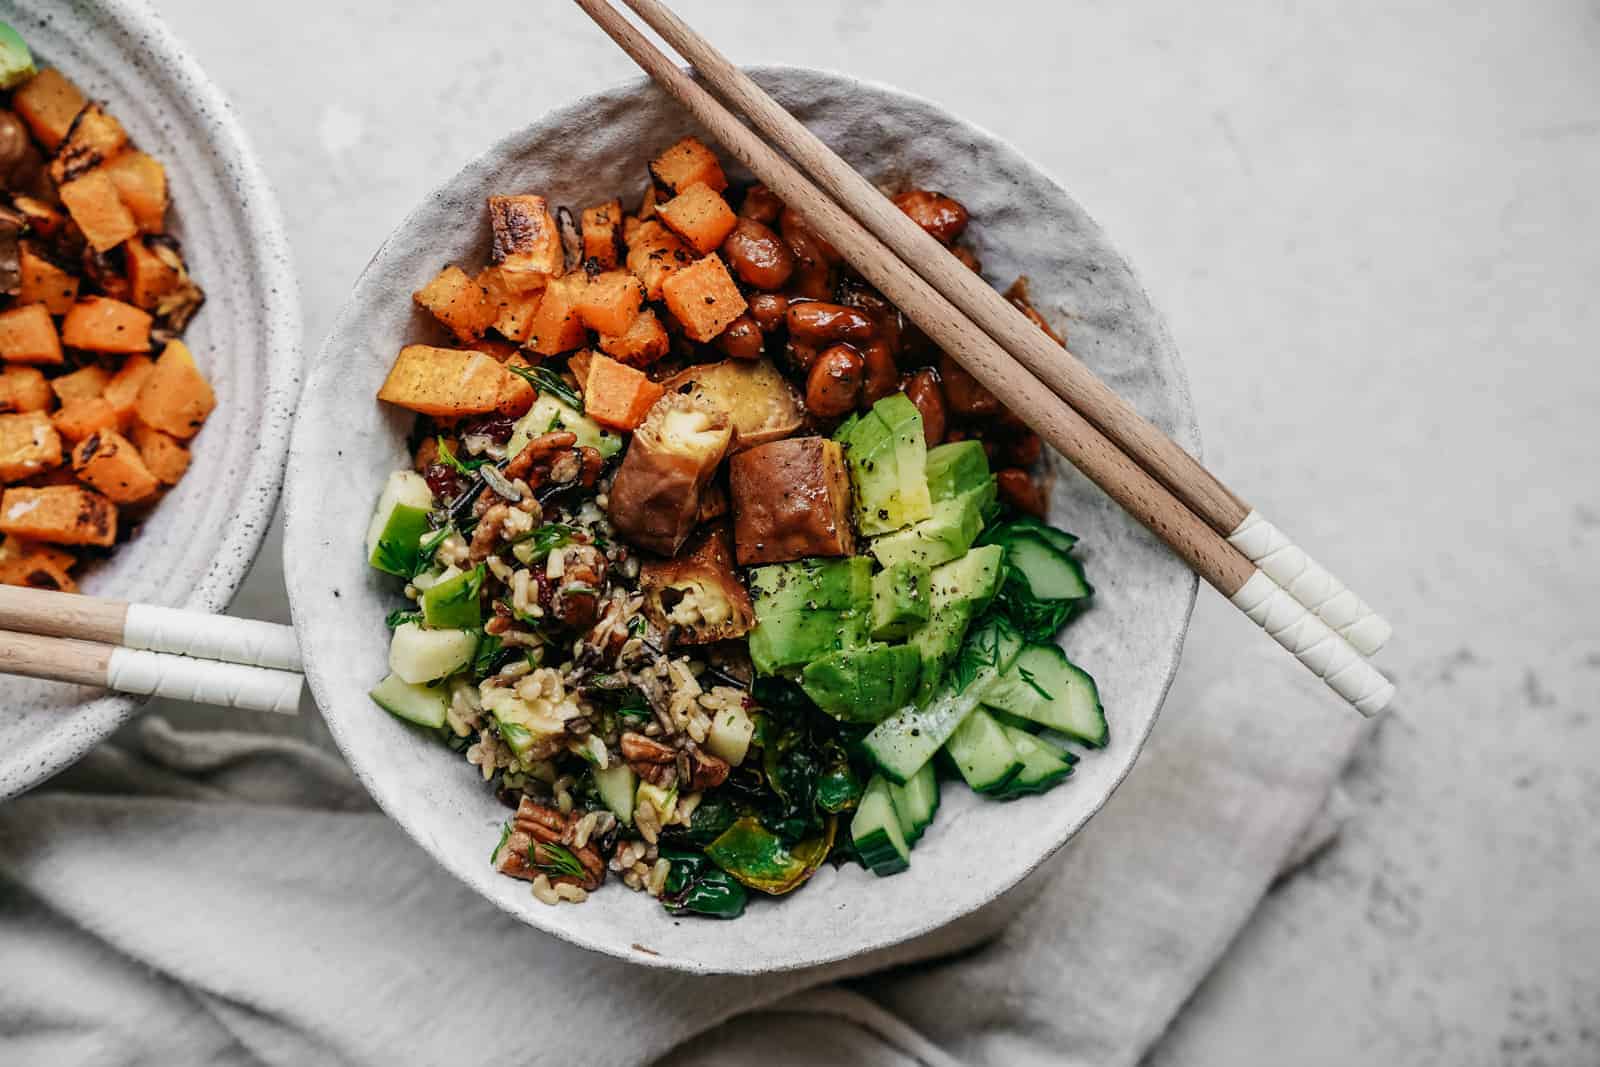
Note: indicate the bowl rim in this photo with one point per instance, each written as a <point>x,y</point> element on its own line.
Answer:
<point>300,458</point>
<point>283,327</point>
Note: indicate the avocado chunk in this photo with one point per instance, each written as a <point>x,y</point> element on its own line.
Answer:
<point>807,609</point>
<point>958,593</point>
<point>956,467</point>
<point>16,61</point>
<point>943,536</point>
<point>911,454</point>
<point>863,684</point>
<point>888,459</point>
<point>899,599</point>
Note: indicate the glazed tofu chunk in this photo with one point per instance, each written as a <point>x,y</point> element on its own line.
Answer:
<point>791,500</point>
<point>655,497</point>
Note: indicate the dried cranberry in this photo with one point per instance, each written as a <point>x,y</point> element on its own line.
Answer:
<point>496,428</point>
<point>445,482</point>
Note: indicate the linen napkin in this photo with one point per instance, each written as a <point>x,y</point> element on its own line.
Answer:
<point>232,898</point>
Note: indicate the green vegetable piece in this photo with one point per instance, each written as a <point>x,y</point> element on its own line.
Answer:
<point>899,600</point>
<point>955,468</point>
<point>399,523</point>
<point>16,61</point>
<point>455,603</point>
<point>694,886</point>
<point>863,684</point>
<point>759,858</point>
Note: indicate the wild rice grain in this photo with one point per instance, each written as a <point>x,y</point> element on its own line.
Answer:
<point>544,891</point>
<point>658,877</point>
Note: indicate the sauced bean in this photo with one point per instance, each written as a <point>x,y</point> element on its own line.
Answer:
<point>834,381</point>
<point>923,390</point>
<point>792,223</point>
<point>882,376</point>
<point>800,356</point>
<point>1019,489</point>
<point>1023,450</point>
<point>761,204</point>
<point>769,310</point>
<point>943,217</point>
<point>818,322</point>
<point>813,276</point>
<point>742,339</point>
<point>968,259</point>
<point>757,255</point>
<point>966,397</point>
<point>13,142</point>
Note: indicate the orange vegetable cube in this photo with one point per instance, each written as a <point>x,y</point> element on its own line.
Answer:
<point>685,163</point>
<point>43,219</point>
<point>700,216</point>
<point>151,276</point>
<point>48,103</point>
<point>601,227</point>
<point>122,391</point>
<point>458,302</point>
<point>654,254</point>
<point>84,383</point>
<point>45,283</point>
<point>94,205</point>
<point>28,445</point>
<point>95,137</point>
<point>101,324</point>
<point>516,393</point>
<point>24,389</point>
<point>59,514</point>
<point>79,419</point>
<point>513,309</point>
<point>527,242</point>
<point>578,367</point>
<point>28,335</point>
<point>110,463</point>
<point>163,456</point>
<point>17,547</point>
<point>611,301</point>
<point>444,382</point>
<point>644,342</point>
<point>703,298</point>
<point>141,182</point>
<point>556,326</point>
<point>175,397</point>
<point>616,395</point>
<point>39,569</point>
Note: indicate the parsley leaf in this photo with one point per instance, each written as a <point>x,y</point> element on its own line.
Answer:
<point>447,456</point>
<point>396,619</point>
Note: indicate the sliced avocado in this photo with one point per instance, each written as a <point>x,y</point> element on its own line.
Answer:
<point>812,585</point>
<point>16,61</point>
<point>911,455</point>
<point>943,536</point>
<point>793,639</point>
<point>454,603</point>
<point>863,684</point>
<point>899,599</point>
<point>871,451</point>
<point>958,592</point>
<point>956,467</point>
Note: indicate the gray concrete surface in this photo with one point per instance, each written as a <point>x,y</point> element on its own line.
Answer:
<point>1376,231</point>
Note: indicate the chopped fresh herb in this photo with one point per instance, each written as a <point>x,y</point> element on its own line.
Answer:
<point>516,735</point>
<point>546,538</point>
<point>483,661</point>
<point>447,456</point>
<point>1028,679</point>
<point>505,833</point>
<point>546,380</point>
<point>430,547</point>
<point>637,625</point>
<point>396,619</point>
<point>579,589</point>
<point>558,860</point>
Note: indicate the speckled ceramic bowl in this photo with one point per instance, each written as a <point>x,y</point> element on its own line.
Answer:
<point>194,550</point>
<point>345,443</point>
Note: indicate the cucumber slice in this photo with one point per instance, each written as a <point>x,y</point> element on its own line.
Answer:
<point>453,603</point>
<point>1045,687</point>
<point>1060,540</point>
<point>413,703</point>
<point>901,744</point>
<point>1051,574</point>
<point>399,522</point>
<point>982,753</point>
<point>616,785</point>
<point>875,829</point>
<point>915,802</point>
<point>1043,765</point>
<point>419,655</point>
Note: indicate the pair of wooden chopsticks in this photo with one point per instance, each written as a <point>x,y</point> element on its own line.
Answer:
<point>149,651</point>
<point>1226,542</point>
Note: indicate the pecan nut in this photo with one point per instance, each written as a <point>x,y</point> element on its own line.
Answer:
<point>650,760</point>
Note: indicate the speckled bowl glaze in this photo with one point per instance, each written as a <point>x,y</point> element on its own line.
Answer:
<point>345,443</point>
<point>194,550</point>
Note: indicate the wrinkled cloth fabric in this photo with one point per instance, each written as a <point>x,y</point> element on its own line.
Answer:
<point>222,898</point>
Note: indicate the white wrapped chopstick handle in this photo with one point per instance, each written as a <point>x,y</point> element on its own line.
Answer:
<point>1328,655</point>
<point>1308,582</point>
<point>227,685</point>
<point>214,637</point>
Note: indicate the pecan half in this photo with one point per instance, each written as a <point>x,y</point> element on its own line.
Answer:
<point>650,760</point>
<point>532,464</point>
<point>486,535</point>
<point>706,771</point>
<point>526,855</point>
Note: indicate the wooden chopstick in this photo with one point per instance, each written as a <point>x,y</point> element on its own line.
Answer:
<point>1199,490</point>
<point>1220,563</point>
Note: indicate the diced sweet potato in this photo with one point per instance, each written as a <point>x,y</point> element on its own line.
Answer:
<point>459,303</point>
<point>601,228</point>
<point>645,341</point>
<point>700,216</point>
<point>38,569</point>
<point>578,366</point>
<point>527,242</point>
<point>513,309</point>
<point>163,456</point>
<point>687,162</point>
<point>616,395</point>
<point>28,335</point>
<point>12,548</point>
<point>630,229</point>
<point>59,514</point>
<point>654,254</point>
<point>81,384</point>
<point>24,389</point>
<point>150,276</point>
<point>176,398</point>
<point>611,301</point>
<point>45,283</point>
<point>93,202</point>
<point>556,325</point>
<point>110,463</point>
<point>141,182</point>
<point>101,324</point>
<point>43,219</point>
<point>122,391</point>
<point>95,136</point>
<point>704,298</point>
<point>698,596</point>
<point>655,496</point>
<point>517,394</point>
<point>647,204</point>
<point>81,418</point>
<point>28,445</point>
<point>791,500</point>
<point>443,382</point>
<point>48,103</point>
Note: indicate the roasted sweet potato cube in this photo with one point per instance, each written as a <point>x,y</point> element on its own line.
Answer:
<point>517,394</point>
<point>615,394</point>
<point>101,324</point>
<point>44,219</point>
<point>611,301</point>
<point>122,391</point>
<point>704,298</point>
<point>141,182</point>
<point>94,205</point>
<point>48,103</point>
<point>791,500</point>
<point>760,401</point>
<point>654,253</point>
<point>655,497</point>
<point>513,308</point>
<point>527,241</point>
<point>43,282</point>
<point>79,419</point>
<point>82,384</point>
<point>13,548</point>
<point>601,229</point>
<point>24,389</point>
<point>685,163</point>
<point>28,335</point>
<point>95,137</point>
<point>459,303</point>
<point>644,342</point>
<point>59,514</point>
<point>151,276</point>
<point>38,569</point>
<point>647,204</point>
<point>444,382</point>
<point>697,596</point>
<point>700,216</point>
<point>176,398</point>
<point>163,456</point>
<point>557,327</point>
<point>110,463</point>
<point>28,444</point>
